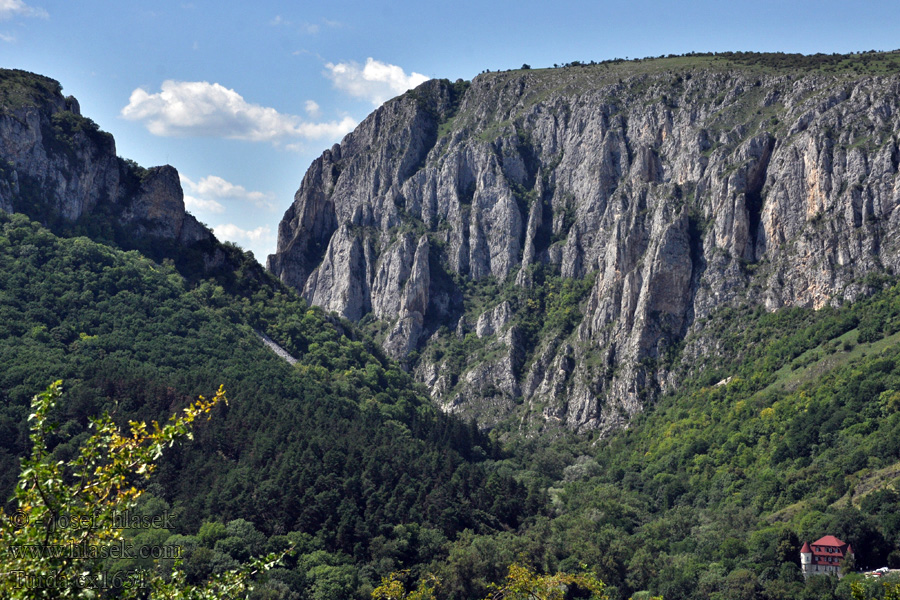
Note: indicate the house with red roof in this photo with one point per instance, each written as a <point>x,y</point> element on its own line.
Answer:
<point>824,556</point>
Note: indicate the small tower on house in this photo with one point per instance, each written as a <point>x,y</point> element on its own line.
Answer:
<point>806,560</point>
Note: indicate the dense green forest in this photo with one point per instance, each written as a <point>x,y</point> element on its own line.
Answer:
<point>341,453</point>
<point>709,494</point>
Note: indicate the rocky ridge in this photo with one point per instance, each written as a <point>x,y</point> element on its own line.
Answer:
<point>58,167</point>
<point>677,187</point>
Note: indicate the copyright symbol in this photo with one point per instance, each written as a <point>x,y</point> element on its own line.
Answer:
<point>19,518</point>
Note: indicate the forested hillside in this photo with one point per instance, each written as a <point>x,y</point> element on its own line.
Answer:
<point>340,452</point>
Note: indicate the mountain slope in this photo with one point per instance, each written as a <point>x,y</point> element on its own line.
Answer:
<point>769,427</point>
<point>341,454</point>
<point>112,323</point>
<point>341,447</point>
<point>677,186</point>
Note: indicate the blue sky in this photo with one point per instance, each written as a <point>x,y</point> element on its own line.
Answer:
<point>241,96</point>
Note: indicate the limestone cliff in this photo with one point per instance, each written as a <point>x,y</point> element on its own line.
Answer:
<point>58,167</point>
<point>675,186</point>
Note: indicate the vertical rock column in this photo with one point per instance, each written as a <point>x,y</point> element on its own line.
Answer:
<point>404,337</point>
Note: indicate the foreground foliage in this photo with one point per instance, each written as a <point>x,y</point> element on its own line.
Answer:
<point>68,514</point>
<point>521,583</point>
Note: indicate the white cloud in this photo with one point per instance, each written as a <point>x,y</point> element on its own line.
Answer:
<point>233,233</point>
<point>260,241</point>
<point>9,39</point>
<point>193,204</point>
<point>313,109</point>
<point>331,129</point>
<point>212,188</point>
<point>13,8</point>
<point>376,82</point>
<point>203,109</point>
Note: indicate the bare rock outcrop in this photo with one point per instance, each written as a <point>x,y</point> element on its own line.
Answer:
<point>58,167</point>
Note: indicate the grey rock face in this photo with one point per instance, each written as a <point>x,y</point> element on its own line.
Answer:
<point>678,191</point>
<point>493,321</point>
<point>56,165</point>
<point>157,209</point>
